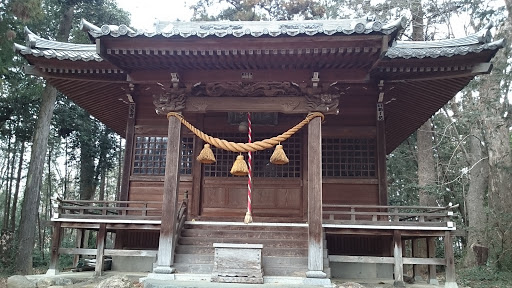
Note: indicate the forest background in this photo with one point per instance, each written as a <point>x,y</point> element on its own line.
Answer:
<point>50,147</point>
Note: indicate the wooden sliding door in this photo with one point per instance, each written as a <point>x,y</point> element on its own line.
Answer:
<point>277,189</point>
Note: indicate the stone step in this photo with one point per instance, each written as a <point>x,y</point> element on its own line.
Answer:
<point>208,241</point>
<point>267,251</point>
<point>246,227</point>
<point>259,234</point>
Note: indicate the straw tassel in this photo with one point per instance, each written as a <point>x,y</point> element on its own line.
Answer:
<point>279,157</point>
<point>239,167</point>
<point>206,156</point>
<point>248,218</point>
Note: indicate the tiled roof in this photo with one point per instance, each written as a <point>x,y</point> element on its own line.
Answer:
<point>250,28</point>
<point>473,43</point>
<point>40,47</point>
<point>434,52</point>
<point>476,42</point>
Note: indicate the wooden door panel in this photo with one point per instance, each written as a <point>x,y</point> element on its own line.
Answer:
<point>271,197</point>
<point>214,197</point>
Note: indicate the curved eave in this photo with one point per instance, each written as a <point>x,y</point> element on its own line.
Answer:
<point>436,52</point>
<point>252,29</point>
<point>95,85</point>
<point>61,54</point>
<point>105,101</point>
<point>34,41</point>
<point>409,104</point>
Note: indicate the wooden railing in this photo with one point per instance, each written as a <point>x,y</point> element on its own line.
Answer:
<point>392,216</point>
<point>181,218</point>
<point>113,210</point>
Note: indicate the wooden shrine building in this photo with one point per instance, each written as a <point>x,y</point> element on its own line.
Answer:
<point>325,212</point>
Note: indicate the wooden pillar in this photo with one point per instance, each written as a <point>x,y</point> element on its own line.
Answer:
<point>381,155</point>
<point>397,254</point>
<point>100,249</point>
<point>450,261</point>
<point>197,173</point>
<point>431,250</point>
<point>128,153</point>
<point>54,258</point>
<point>315,231</point>
<point>170,198</point>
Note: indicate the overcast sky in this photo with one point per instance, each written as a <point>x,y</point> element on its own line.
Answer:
<point>145,12</point>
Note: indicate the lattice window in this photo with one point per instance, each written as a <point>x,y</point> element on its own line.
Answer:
<point>348,158</point>
<point>187,155</point>
<point>261,159</point>
<point>150,154</point>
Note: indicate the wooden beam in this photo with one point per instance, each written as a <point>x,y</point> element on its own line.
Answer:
<point>305,171</point>
<point>140,253</point>
<point>197,175</point>
<point>424,261</point>
<point>350,181</point>
<point>361,259</point>
<point>416,275</point>
<point>285,104</point>
<point>406,76</point>
<point>100,249</point>
<point>398,263</point>
<point>77,251</point>
<point>385,260</point>
<point>381,157</point>
<point>315,231</point>
<point>128,153</point>
<point>54,258</point>
<point>431,251</point>
<point>349,131</point>
<point>450,261</point>
<point>369,225</point>
<point>170,199</point>
<point>86,219</point>
<point>191,77</point>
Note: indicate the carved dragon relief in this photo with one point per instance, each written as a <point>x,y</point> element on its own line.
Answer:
<point>323,99</point>
<point>169,101</point>
<point>244,89</point>
<point>325,103</point>
<point>172,99</point>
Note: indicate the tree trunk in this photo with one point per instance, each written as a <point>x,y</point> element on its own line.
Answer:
<point>476,216</point>
<point>508,4</point>
<point>497,136</point>
<point>17,190</point>
<point>7,200</point>
<point>30,206</point>
<point>87,185</point>
<point>65,193</point>
<point>9,188</point>
<point>426,164</point>
<point>102,184</point>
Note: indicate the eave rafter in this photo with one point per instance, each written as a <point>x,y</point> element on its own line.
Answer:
<point>296,53</point>
<point>93,75</point>
<point>299,76</point>
<point>419,73</point>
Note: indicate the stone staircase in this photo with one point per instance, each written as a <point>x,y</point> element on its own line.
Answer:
<point>285,247</point>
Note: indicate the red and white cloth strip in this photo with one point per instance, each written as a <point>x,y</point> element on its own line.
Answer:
<point>249,160</point>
